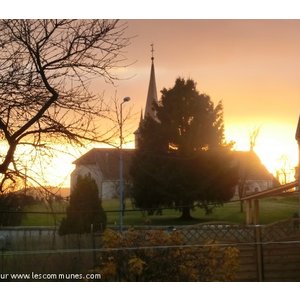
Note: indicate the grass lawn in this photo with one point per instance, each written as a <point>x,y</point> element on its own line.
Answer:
<point>271,210</point>
<point>42,215</point>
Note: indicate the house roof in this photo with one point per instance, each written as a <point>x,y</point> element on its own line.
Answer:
<point>108,160</point>
<point>250,166</point>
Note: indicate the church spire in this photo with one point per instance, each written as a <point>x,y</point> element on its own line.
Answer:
<point>152,92</point>
<point>152,51</point>
<point>151,97</point>
<point>141,117</point>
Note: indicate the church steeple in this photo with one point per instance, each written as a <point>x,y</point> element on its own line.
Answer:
<point>152,92</point>
<point>151,97</point>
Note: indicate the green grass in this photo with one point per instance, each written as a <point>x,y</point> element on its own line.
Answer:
<point>42,215</point>
<point>271,210</point>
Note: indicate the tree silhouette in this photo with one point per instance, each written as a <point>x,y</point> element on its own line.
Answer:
<point>253,134</point>
<point>85,210</point>
<point>182,158</point>
<point>46,67</point>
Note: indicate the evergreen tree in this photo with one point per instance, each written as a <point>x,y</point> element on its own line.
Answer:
<point>85,209</point>
<point>182,158</point>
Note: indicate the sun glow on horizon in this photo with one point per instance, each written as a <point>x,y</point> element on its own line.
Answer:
<point>275,142</point>
<point>46,169</point>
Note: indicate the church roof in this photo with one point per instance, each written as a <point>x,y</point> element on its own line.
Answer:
<point>249,165</point>
<point>108,160</point>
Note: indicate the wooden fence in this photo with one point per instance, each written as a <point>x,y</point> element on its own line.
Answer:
<point>267,252</point>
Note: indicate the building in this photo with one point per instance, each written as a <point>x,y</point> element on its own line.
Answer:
<point>151,98</point>
<point>103,163</point>
<point>253,175</point>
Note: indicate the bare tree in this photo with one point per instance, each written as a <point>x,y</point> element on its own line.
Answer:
<point>285,171</point>
<point>253,134</point>
<point>244,172</point>
<point>46,67</point>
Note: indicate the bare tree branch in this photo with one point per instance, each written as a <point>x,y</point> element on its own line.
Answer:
<point>45,70</point>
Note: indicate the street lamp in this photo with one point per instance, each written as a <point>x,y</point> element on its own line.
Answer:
<point>126,99</point>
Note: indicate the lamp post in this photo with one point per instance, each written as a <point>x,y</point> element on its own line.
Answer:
<point>126,99</point>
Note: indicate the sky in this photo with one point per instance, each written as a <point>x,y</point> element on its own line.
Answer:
<point>247,57</point>
<point>252,66</point>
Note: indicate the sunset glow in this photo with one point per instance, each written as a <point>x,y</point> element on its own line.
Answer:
<point>273,143</point>
<point>252,66</point>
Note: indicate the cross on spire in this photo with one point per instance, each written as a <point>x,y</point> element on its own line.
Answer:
<point>152,51</point>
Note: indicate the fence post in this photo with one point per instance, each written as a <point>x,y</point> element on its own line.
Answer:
<point>256,211</point>
<point>93,245</point>
<point>2,260</point>
<point>259,252</point>
<point>249,212</point>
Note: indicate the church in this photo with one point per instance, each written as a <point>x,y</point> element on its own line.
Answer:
<point>103,163</point>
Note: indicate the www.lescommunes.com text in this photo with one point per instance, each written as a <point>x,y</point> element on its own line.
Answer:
<point>50,276</point>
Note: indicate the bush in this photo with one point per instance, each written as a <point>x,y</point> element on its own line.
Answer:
<point>162,256</point>
<point>85,210</point>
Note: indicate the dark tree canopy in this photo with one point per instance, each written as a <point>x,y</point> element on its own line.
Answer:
<point>85,209</point>
<point>182,158</point>
<point>46,67</point>
<point>189,119</point>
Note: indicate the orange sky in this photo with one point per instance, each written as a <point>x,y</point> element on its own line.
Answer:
<point>253,66</point>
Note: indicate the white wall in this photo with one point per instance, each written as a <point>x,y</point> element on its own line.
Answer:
<point>107,189</point>
<point>110,190</point>
<point>254,186</point>
<point>85,170</point>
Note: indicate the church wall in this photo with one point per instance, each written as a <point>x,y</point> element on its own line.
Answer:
<point>254,186</point>
<point>259,185</point>
<point>110,189</point>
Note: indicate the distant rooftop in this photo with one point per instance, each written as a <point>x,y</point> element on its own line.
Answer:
<point>251,167</point>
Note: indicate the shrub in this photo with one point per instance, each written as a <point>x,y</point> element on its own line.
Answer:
<point>85,209</point>
<point>163,256</point>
